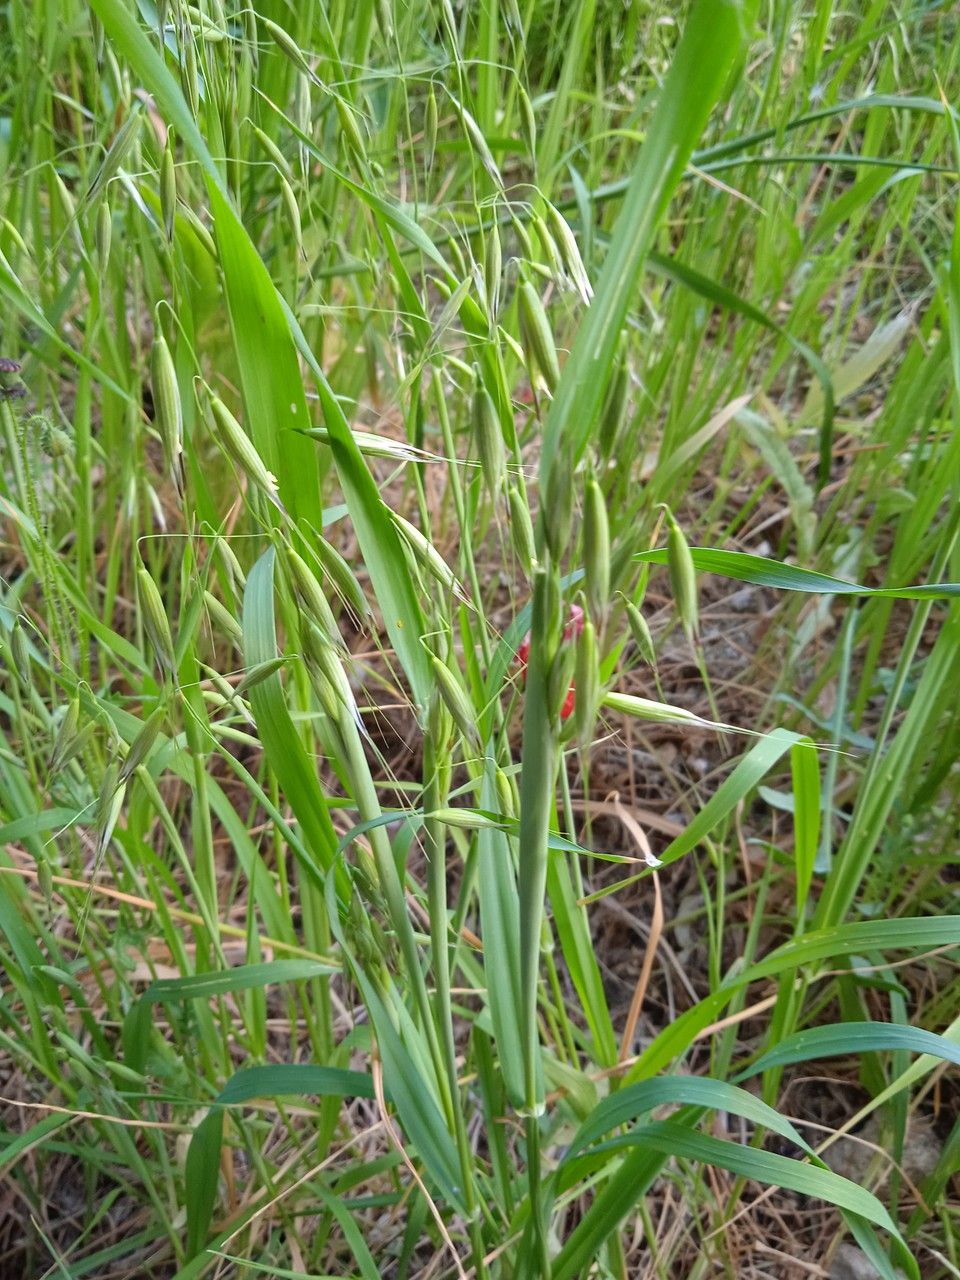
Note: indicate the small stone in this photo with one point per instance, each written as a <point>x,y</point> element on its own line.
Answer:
<point>852,1263</point>
<point>743,600</point>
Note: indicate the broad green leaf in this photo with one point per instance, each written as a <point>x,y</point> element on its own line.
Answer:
<point>758,761</point>
<point>287,1079</point>
<point>273,396</point>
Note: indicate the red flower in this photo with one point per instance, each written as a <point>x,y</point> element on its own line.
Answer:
<point>571,631</point>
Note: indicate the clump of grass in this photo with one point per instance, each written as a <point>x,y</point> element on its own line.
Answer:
<point>365,365</point>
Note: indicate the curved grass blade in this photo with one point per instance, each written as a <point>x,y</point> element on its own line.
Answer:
<point>845,1038</point>
<point>758,761</point>
<point>721,296</point>
<point>626,1104</point>
<point>673,1139</point>
<point>286,1079</point>
<point>852,938</point>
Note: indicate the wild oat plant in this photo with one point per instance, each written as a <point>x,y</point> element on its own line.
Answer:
<point>479,719</point>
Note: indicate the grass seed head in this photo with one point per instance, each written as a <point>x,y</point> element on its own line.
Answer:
<point>596,548</point>
<point>486,425</point>
<point>521,529</point>
<point>683,578</point>
<point>458,704</point>
<point>167,406</point>
<point>168,187</point>
<point>587,680</point>
<point>537,336</point>
<point>155,621</point>
<point>641,634</point>
<point>241,449</point>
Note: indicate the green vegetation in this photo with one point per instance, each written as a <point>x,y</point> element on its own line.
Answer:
<point>439,442</point>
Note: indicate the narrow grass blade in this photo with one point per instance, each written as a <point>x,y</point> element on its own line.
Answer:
<point>763,572</point>
<point>282,744</point>
<point>712,39</point>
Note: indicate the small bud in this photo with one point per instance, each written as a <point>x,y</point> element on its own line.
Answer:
<point>486,426</point>
<point>521,529</point>
<point>168,187</point>
<point>222,620</point>
<point>641,634</point>
<point>569,252</point>
<point>311,594</point>
<point>155,621</point>
<point>66,734</point>
<point>240,447</point>
<point>479,143</point>
<point>560,681</point>
<point>142,745</point>
<point>109,803</point>
<point>45,878</point>
<point>67,205</point>
<point>457,702</point>
<point>528,121</point>
<point>439,723</point>
<point>537,336</point>
<point>232,566</point>
<point>287,45</point>
<point>465,819</point>
<point>274,152</point>
<point>430,127</point>
<point>351,129</point>
<point>505,794</point>
<point>550,251</point>
<point>343,578</point>
<point>199,230</point>
<point>259,672</point>
<point>167,407</point>
<point>426,554</point>
<point>596,548</point>
<point>683,578</point>
<point>20,652</point>
<point>492,269</point>
<point>587,679</point>
<point>293,214</point>
<point>103,235</point>
<point>329,678</point>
